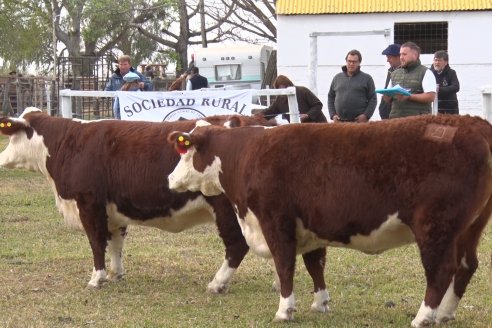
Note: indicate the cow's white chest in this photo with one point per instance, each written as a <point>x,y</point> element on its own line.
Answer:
<point>390,234</point>
<point>195,212</point>
<point>254,235</point>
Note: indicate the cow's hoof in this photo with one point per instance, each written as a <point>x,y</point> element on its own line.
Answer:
<point>421,324</point>
<point>214,288</point>
<point>93,286</point>
<point>283,317</point>
<point>96,284</point>
<point>444,320</point>
<point>323,307</point>
<point>113,276</point>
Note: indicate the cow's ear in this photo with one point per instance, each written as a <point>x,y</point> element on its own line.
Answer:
<point>9,126</point>
<point>234,122</point>
<point>180,140</point>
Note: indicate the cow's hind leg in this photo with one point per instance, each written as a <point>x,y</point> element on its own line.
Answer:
<point>467,262</point>
<point>315,264</point>
<point>235,244</point>
<point>116,242</point>
<point>438,253</point>
<point>94,221</point>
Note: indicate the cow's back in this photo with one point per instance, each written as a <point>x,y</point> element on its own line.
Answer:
<point>352,171</point>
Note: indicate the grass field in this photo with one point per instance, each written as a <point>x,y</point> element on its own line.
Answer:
<point>44,269</point>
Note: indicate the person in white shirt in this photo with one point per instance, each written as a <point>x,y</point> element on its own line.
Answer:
<point>416,79</point>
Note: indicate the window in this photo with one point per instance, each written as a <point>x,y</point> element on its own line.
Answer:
<point>228,72</point>
<point>429,36</point>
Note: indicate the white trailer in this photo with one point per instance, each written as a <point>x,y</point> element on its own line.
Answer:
<point>241,66</point>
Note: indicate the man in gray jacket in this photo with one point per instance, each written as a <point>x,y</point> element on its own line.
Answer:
<point>352,96</point>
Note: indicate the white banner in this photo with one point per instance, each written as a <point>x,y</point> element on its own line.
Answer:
<point>174,106</point>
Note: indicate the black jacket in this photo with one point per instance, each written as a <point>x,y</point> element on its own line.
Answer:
<point>307,103</point>
<point>198,82</point>
<point>448,87</point>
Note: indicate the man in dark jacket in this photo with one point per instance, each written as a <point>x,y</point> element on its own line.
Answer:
<point>392,53</point>
<point>309,105</point>
<point>196,81</point>
<point>352,96</point>
<point>447,82</point>
<point>124,66</point>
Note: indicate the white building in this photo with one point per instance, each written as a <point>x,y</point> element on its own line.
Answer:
<point>314,36</point>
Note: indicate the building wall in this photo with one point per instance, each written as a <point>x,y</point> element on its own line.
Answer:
<point>469,50</point>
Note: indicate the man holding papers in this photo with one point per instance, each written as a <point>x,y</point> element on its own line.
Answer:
<point>414,78</point>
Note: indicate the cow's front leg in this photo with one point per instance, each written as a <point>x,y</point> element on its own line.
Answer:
<point>283,249</point>
<point>235,244</point>
<point>115,249</point>
<point>220,283</point>
<point>285,269</point>
<point>315,264</point>
<point>94,221</point>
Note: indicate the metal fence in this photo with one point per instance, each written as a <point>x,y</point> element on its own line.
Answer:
<point>18,92</point>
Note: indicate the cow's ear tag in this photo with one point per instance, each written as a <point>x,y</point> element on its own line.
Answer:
<point>183,144</point>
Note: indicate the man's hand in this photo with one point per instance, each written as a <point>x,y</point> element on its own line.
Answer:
<point>386,99</point>
<point>362,118</point>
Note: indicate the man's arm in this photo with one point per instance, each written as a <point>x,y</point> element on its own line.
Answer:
<point>315,105</point>
<point>429,94</point>
<point>453,85</point>
<point>372,99</point>
<point>331,100</point>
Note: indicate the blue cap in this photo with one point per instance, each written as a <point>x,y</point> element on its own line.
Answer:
<point>131,77</point>
<point>392,50</point>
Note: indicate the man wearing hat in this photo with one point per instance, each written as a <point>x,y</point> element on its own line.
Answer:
<point>392,53</point>
<point>132,83</point>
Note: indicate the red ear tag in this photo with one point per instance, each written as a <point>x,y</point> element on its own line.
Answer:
<point>182,145</point>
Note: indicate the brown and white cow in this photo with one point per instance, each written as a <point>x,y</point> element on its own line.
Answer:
<point>110,174</point>
<point>370,187</point>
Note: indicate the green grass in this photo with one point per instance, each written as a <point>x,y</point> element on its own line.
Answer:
<point>44,269</point>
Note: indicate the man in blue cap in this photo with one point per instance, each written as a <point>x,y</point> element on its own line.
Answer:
<point>392,53</point>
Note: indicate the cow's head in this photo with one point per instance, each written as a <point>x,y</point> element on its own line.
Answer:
<point>26,148</point>
<point>195,171</point>
<point>198,170</point>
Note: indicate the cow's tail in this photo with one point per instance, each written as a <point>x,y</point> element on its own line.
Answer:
<point>485,129</point>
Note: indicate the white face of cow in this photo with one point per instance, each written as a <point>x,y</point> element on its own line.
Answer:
<point>186,177</point>
<point>23,152</point>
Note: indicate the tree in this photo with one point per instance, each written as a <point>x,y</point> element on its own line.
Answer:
<point>84,27</point>
<point>213,21</point>
<point>23,35</point>
<point>253,21</point>
<point>140,28</point>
